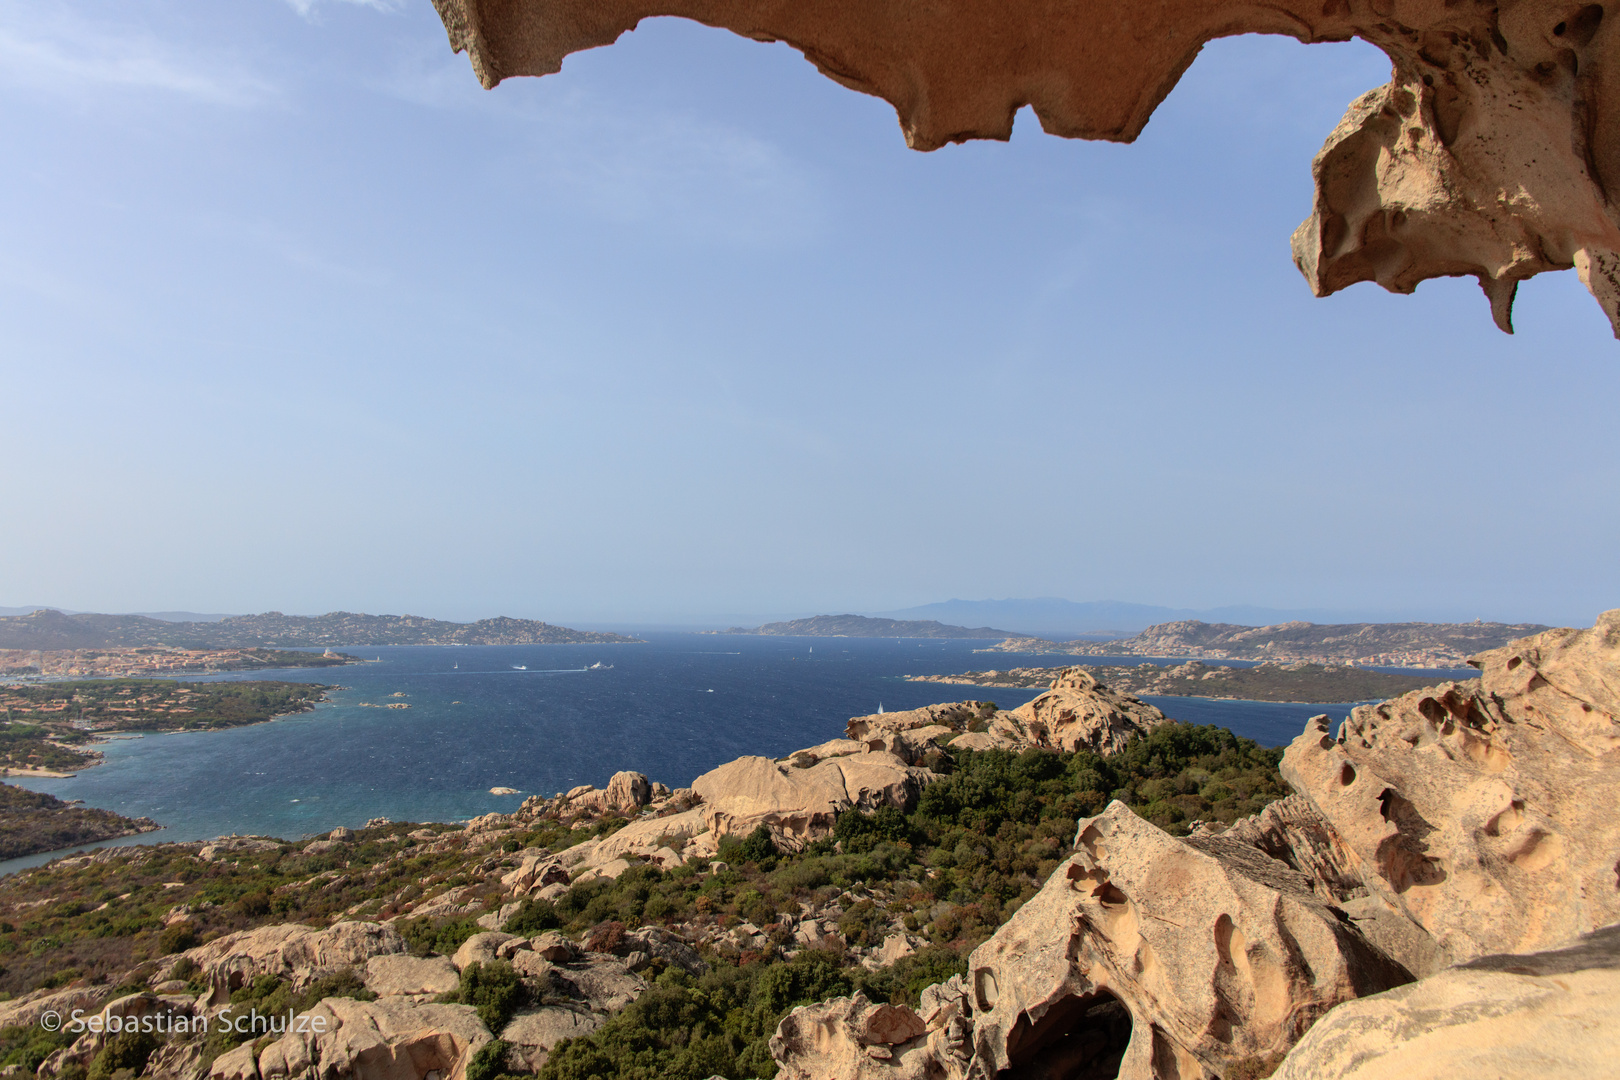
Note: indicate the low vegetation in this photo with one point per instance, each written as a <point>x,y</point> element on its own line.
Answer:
<point>71,711</point>
<point>32,821</point>
<point>978,844</point>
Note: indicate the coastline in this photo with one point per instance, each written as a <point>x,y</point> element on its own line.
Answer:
<point>96,757</point>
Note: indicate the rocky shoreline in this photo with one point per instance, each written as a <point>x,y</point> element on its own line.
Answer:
<point>1449,845</point>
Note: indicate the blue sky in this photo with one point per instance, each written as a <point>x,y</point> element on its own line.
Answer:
<point>294,315</point>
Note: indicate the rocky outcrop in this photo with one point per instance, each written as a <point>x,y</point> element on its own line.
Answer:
<point>1467,823</point>
<point>1551,1015</point>
<point>1492,152</point>
<point>853,1039</point>
<point>295,953</point>
<point>1470,809</point>
<point>387,1039</point>
<point>800,804</point>
<point>391,976</point>
<point>1216,954</point>
<point>626,793</point>
<point>533,1034</point>
<point>1078,713</point>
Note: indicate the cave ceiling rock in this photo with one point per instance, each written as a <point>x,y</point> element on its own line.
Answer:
<point>1489,153</point>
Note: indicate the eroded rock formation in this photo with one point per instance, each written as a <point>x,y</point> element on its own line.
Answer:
<point>1456,834</point>
<point>1551,1015</point>
<point>1213,953</point>
<point>1469,808</point>
<point>1078,713</point>
<point>1491,152</point>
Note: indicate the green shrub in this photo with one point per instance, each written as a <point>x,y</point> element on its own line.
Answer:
<point>126,1050</point>
<point>426,936</point>
<point>494,989</point>
<point>489,1062</point>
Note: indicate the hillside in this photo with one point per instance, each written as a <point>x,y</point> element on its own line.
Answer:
<point>31,821</point>
<point>48,629</point>
<point>1430,645</point>
<point>861,626</point>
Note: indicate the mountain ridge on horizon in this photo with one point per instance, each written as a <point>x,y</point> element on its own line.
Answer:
<point>51,629</point>
<point>1048,616</point>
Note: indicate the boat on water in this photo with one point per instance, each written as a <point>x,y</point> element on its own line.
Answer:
<point>599,666</point>
<point>520,667</point>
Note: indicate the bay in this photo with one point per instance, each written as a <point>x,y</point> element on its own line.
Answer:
<point>540,719</point>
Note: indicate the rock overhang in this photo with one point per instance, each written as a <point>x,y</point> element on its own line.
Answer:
<point>1490,153</point>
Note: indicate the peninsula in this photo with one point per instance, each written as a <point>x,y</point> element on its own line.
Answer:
<point>1313,684</point>
<point>1411,645</point>
<point>49,727</point>
<point>31,822</point>
<point>861,626</point>
<point>50,629</point>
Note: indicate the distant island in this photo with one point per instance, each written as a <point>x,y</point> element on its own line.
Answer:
<point>51,630</point>
<point>49,728</point>
<point>31,822</point>
<point>1310,684</point>
<point>1410,645</point>
<point>861,626</point>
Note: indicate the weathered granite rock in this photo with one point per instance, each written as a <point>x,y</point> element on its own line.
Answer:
<point>388,976</point>
<point>1163,957</point>
<point>908,734</point>
<point>799,805</point>
<point>387,1039</point>
<point>296,953</point>
<point>1471,809</point>
<point>532,1034</point>
<point>1551,1015</point>
<point>626,793</point>
<point>850,1038</point>
<point>1491,152</point>
<point>534,873</point>
<point>602,983</point>
<point>487,946</point>
<point>1078,713</point>
<point>554,947</point>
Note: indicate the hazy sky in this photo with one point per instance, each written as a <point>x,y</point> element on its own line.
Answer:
<point>294,315</point>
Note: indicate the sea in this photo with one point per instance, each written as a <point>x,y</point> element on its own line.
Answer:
<point>542,719</point>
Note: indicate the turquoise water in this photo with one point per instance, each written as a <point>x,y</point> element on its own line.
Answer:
<point>672,708</point>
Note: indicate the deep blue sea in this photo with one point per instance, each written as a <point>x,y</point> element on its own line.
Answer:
<point>672,708</point>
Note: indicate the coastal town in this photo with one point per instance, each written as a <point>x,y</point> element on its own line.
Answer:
<point>153,660</point>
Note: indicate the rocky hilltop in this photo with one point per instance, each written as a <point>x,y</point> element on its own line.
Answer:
<point>48,629</point>
<point>1419,645</point>
<point>1436,897</point>
<point>862,626</point>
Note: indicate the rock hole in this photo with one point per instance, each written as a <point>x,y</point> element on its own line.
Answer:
<point>1109,895</point>
<point>985,990</point>
<point>1558,31</point>
<point>1080,1037</point>
<point>1347,774</point>
<point>1514,662</point>
<point>1433,711</point>
<point>1584,26</point>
